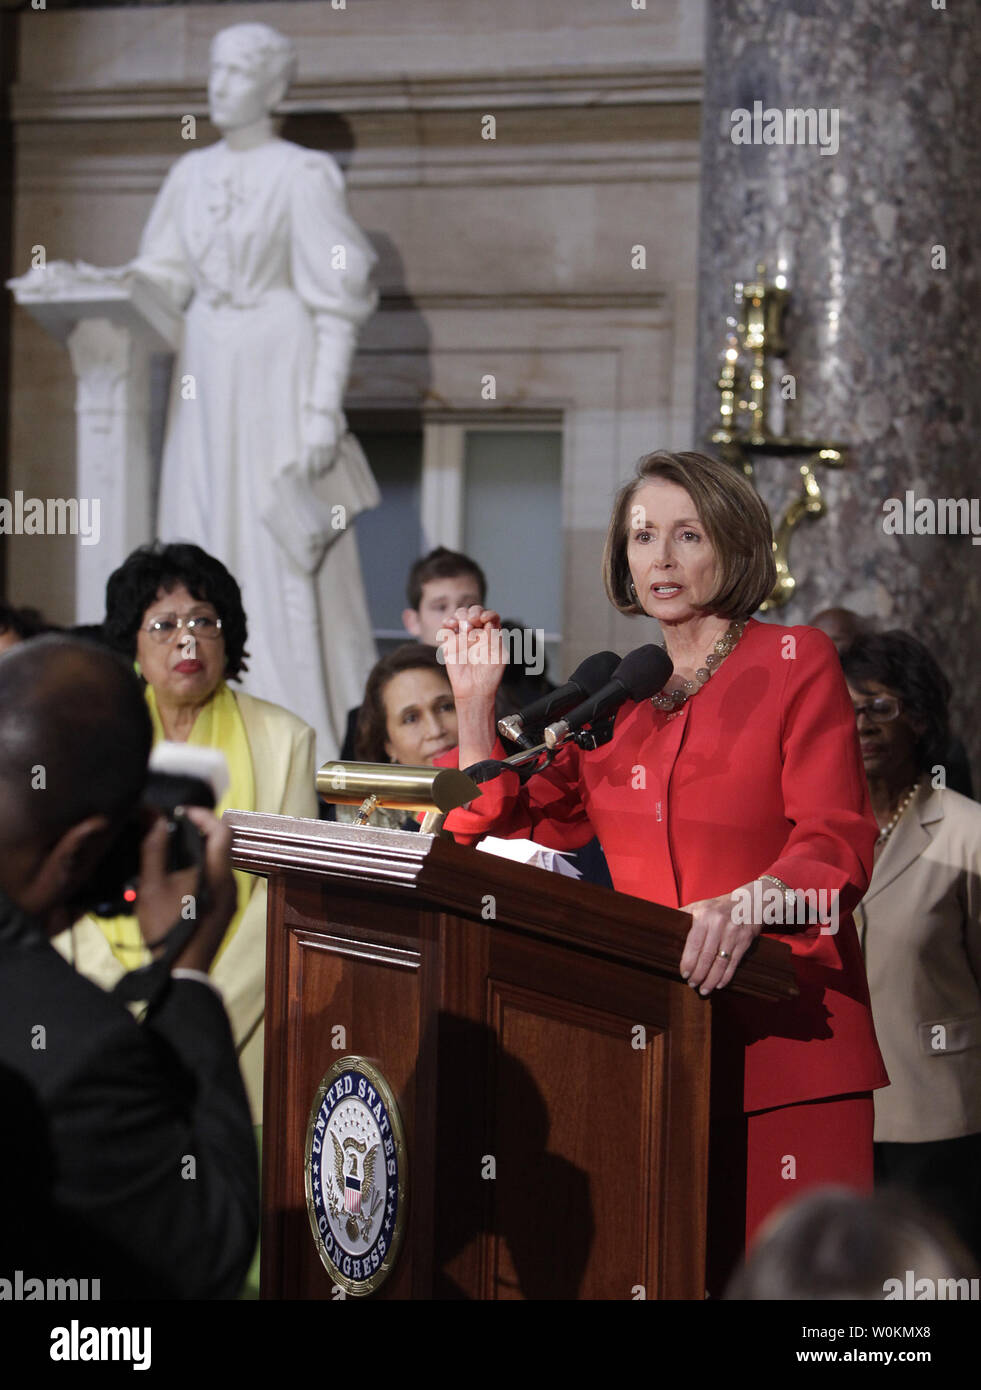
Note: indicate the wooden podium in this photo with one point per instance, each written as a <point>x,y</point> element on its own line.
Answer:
<point>550,1066</point>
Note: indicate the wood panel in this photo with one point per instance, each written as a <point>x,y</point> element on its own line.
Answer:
<point>578,1135</point>
<point>353,990</point>
<point>551,1069</point>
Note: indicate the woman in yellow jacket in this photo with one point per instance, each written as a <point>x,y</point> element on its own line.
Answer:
<point>178,612</point>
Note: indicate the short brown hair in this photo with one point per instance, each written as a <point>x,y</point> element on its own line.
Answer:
<point>442,564</point>
<point>736,522</point>
<point>371,732</point>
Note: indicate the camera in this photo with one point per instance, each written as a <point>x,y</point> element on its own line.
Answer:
<point>178,775</point>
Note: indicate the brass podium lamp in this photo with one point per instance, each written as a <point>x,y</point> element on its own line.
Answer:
<point>754,338</point>
<point>434,790</point>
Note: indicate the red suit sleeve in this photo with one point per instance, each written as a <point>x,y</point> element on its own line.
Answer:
<point>825,794</point>
<point>547,809</point>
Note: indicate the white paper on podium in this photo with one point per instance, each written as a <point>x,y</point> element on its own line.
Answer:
<point>527,852</point>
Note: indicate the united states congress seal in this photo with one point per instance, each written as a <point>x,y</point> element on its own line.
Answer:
<point>356,1175</point>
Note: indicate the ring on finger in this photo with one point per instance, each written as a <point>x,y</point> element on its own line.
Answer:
<point>724,955</point>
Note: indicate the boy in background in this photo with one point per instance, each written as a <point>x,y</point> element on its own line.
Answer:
<point>439,583</point>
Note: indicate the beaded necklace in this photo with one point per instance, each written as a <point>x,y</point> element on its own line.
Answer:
<point>887,830</point>
<point>674,699</point>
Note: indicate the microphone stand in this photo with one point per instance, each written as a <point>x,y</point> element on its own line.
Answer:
<point>526,763</point>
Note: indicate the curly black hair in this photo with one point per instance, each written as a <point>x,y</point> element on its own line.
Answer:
<point>134,586</point>
<point>905,666</point>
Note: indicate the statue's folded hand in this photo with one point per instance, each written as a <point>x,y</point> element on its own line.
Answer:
<point>320,434</point>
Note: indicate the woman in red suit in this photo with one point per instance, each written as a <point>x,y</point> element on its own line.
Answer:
<point>737,786</point>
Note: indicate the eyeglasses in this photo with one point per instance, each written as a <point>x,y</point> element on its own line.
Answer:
<point>880,710</point>
<point>162,629</point>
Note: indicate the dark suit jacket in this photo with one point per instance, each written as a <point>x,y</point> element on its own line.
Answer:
<point>130,1155</point>
<point>347,747</point>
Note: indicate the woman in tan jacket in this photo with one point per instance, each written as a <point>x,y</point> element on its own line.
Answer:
<point>920,928</point>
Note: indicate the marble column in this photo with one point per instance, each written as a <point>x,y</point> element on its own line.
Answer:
<point>877,223</point>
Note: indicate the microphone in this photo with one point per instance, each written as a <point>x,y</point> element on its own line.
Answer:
<point>585,680</point>
<point>640,674</point>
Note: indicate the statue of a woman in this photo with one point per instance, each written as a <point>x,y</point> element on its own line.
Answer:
<point>253,239</point>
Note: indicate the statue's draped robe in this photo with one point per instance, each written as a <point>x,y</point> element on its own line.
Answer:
<point>252,244</point>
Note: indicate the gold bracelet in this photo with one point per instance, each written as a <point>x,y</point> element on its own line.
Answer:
<point>789,894</point>
<point>778,881</point>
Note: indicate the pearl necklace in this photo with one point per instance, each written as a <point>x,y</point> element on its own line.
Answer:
<point>887,830</point>
<point>674,699</point>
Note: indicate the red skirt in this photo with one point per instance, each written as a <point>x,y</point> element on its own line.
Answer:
<point>758,1162</point>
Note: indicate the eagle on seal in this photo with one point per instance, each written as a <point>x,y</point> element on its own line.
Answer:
<point>367,1182</point>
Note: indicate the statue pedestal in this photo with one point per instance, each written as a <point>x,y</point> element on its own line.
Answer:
<point>112,330</point>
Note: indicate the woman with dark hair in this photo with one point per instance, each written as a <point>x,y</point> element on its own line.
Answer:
<point>920,929</point>
<point>737,784</point>
<point>407,717</point>
<point>158,569</point>
<point>177,612</point>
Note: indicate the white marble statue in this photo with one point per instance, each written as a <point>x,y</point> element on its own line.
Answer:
<point>252,238</point>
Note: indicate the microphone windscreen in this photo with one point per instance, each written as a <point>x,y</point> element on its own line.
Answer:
<point>593,673</point>
<point>644,671</point>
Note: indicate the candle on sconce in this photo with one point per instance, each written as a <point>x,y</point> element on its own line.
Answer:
<point>755,419</point>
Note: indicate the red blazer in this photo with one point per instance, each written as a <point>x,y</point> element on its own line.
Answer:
<point>760,772</point>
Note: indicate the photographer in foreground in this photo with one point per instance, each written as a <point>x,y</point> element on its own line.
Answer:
<point>130,1156</point>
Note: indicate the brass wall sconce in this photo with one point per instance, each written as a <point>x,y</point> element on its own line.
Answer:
<point>745,432</point>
